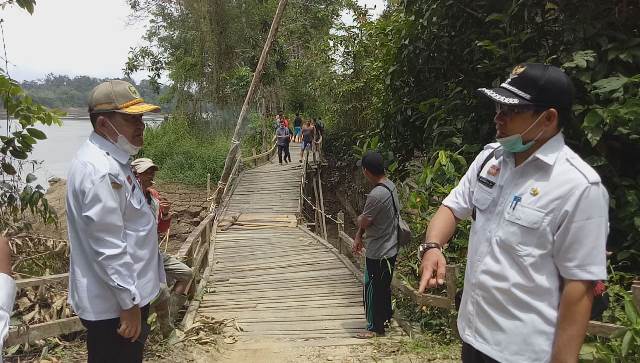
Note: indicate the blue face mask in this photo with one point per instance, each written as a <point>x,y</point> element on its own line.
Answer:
<point>514,142</point>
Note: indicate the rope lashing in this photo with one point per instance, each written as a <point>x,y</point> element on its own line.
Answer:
<point>320,211</point>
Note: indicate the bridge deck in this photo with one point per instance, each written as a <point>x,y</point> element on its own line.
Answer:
<point>273,277</point>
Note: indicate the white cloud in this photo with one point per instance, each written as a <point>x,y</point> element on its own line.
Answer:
<point>73,37</point>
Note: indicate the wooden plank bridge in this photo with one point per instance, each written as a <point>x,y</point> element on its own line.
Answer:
<point>274,277</point>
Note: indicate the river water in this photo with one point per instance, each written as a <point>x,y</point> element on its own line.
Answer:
<point>56,152</point>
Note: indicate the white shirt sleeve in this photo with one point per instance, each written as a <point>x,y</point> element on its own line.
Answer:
<point>105,238</point>
<point>579,250</point>
<point>7,297</point>
<point>459,200</point>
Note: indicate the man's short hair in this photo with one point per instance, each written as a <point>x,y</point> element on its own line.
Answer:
<point>373,162</point>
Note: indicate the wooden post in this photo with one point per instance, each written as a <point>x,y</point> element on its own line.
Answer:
<point>208,185</point>
<point>313,151</point>
<point>635,292</point>
<point>257,75</point>
<point>323,217</point>
<point>340,230</point>
<point>255,160</point>
<point>318,227</point>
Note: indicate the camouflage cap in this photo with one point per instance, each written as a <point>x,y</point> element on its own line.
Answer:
<point>118,96</point>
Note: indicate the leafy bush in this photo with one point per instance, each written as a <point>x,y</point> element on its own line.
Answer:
<point>18,188</point>
<point>417,98</point>
<point>186,154</point>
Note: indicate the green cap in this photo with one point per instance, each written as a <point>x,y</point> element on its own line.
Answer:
<point>118,96</point>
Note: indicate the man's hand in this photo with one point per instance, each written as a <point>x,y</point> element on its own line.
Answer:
<point>357,246</point>
<point>432,270</point>
<point>165,206</point>
<point>130,323</point>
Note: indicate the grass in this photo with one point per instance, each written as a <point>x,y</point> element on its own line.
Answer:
<point>185,153</point>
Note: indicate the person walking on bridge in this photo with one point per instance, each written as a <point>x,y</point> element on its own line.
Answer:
<point>297,128</point>
<point>308,136</point>
<point>171,298</point>
<point>377,234</point>
<point>115,267</point>
<point>283,136</point>
<point>540,225</point>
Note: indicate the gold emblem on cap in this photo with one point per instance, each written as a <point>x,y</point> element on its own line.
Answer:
<point>517,70</point>
<point>134,91</point>
<point>534,191</point>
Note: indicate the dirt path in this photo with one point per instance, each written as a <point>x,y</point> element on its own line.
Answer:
<point>389,349</point>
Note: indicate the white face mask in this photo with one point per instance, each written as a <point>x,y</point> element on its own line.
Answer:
<point>123,143</point>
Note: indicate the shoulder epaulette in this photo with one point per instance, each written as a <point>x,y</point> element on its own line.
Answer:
<point>493,145</point>
<point>585,169</point>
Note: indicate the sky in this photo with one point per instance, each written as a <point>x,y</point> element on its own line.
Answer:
<point>78,37</point>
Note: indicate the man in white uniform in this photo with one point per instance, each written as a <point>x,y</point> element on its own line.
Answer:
<point>7,290</point>
<point>116,269</point>
<point>540,226</point>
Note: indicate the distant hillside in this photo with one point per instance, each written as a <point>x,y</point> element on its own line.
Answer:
<point>64,92</point>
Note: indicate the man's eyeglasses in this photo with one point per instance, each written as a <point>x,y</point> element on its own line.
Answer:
<point>508,110</point>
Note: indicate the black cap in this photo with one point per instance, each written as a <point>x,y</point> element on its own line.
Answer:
<point>373,162</point>
<point>534,84</point>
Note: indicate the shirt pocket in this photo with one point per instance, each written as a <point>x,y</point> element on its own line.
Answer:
<point>523,228</point>
<point>482,198</point>
<point>138,214</point>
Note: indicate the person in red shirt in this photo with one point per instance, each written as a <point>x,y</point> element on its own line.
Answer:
<point>168,303</point>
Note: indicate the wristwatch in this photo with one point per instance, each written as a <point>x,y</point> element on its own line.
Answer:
<point>426,246</point>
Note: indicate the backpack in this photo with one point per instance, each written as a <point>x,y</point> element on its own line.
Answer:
<point>404,232</point>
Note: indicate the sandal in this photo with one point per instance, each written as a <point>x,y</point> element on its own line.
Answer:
<point>366,334</point>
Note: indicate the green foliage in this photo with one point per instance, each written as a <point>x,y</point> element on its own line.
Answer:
<point>623,347</point>
<point>59,91</point>
<point>186,154</point>
<point>209,50</point>
<point>412,74</point>
<point>18,190</point>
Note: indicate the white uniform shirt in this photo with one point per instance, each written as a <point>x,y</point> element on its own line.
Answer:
<point>7,297</point>
<point>115,261</point>
<point>535,225</point>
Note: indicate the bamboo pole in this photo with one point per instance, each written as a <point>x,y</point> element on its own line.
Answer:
<point>318,219</point>
<point>237,134</point>
<point>340,230</point>
<point>322,214</point>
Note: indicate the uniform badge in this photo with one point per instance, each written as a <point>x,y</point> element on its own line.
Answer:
<point>517,70</point>
<point>494,170</point>
<point>116,186</point>
<point>534,191</point>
